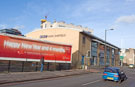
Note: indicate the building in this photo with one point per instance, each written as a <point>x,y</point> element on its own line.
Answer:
<point>11,31</point>
<point>129,56</point>
<point>87,49</point>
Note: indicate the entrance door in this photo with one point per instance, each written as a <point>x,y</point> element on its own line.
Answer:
<point>82,62</point>
<point>93,60</point>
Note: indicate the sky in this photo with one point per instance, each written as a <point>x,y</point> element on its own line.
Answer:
<point>99,15</point>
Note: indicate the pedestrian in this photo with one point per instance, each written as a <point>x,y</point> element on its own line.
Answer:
<point>42,64</point>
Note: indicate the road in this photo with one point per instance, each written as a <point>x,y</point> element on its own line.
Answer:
<point>86,80</point>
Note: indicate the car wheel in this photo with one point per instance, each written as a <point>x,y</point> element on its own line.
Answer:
<point>104,79</point>
<point>116,81</point>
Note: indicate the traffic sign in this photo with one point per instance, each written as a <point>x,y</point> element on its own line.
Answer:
<point>121,57</point>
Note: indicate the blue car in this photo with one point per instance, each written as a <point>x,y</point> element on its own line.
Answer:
<point>114,74</point>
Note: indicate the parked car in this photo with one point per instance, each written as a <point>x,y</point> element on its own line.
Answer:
<point>131,66</point>
<point>114,74</point>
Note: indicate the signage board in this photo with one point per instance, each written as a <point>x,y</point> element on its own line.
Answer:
<point>121,57</point>
<point>15,48</point>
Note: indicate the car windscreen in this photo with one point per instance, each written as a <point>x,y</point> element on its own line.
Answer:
<point>111,70</point>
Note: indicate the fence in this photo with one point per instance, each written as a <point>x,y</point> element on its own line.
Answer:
<point>25,66</point>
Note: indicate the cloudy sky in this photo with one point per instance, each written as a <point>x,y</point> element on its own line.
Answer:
<point>96,14</point>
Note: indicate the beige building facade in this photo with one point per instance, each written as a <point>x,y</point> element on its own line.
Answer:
<point>129,56</point>
<point>87,49</point>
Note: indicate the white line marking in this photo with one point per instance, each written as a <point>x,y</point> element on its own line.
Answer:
<point>91,82</point>
<point>131,77</point>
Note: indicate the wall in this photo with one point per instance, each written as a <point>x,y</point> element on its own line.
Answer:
<point>129,57</point>
<point>61,35</point>
<point>84,48</point>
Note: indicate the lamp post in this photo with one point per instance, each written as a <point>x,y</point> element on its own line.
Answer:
<point>105,54</point>
<point>106,33</point>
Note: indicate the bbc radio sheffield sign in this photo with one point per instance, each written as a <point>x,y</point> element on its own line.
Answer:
<point>13,48</point>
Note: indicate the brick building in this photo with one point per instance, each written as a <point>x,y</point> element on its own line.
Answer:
<point>87,49</point>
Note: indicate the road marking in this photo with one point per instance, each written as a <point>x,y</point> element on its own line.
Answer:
<point>91,82</point>
<point>131,77</point>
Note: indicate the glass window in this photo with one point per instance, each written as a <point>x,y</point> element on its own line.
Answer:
<point>111,70</point>
<point>101,60</point>
<point>93,59</point>
<point>108,56</point>
<point>83,40</point>
<point>108,70</point>
<point>94,49</point>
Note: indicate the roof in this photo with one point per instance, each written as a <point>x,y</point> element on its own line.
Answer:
<point>99,39</point>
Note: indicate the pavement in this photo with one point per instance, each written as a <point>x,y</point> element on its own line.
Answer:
<point>31,76</point>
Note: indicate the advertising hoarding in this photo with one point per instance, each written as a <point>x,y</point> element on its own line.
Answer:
<point>23,49</point>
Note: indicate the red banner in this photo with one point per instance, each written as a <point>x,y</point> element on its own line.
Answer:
<point>33,50</point>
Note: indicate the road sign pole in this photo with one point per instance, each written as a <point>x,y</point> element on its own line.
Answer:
<point>121,59</point>
<point>121,63</point>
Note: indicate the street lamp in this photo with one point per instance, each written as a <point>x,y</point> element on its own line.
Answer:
<point>105,55</point>
<point>106,32</point>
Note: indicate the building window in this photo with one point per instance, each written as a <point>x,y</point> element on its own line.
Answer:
<point>88,55</point>
<point>108,56</point>
<point>93,59</point>
<point>83,40</point>
<point>45,25</point>
<point>61,26</point>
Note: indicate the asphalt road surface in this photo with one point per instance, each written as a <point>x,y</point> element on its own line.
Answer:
<point>86,80</point>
